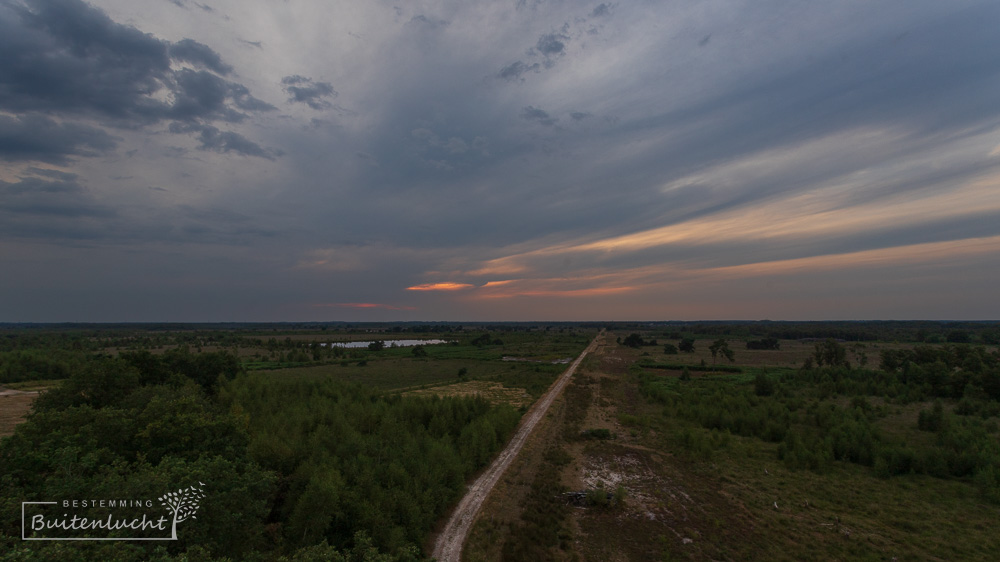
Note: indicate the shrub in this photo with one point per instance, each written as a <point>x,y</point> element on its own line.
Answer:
<point>762,385</point>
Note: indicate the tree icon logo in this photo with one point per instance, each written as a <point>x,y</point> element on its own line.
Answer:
<point>183,504</point>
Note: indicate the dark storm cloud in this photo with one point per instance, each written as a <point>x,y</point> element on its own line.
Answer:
<point>579,115</point>
<point>201,95</point>
<point>196,53</point>
<point>65,58</point>
<point>38,138</point>
<point>305,90</point>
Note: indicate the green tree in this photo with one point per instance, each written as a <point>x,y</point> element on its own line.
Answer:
<point>721,347</point>
<point>830,353</point>
<point>763,385</point>
<point>633,340</point>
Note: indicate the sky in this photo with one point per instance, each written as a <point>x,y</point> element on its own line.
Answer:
<point>315,160</point>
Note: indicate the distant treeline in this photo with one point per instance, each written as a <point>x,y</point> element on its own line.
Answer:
<point>903,331</point>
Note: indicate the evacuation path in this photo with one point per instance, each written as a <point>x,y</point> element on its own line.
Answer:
<point>448,547</point>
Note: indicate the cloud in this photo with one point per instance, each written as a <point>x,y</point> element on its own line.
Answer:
<point>851,129</point>
<point>189,50</point>
<point>69,60</point>
<point>304,90</point>
<point>447,286</point>
<point>552,44</point>
<point>54,196</point>
<point>201,95</point>
<point>514,71</point>
<point>34,137</point>
<point>530,113</point>
<point>214,140</point>
<point>428,23</point>
<point>57,207</point>
<point>601,11</point>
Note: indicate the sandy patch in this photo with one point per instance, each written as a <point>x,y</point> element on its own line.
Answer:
<point>495,392</point>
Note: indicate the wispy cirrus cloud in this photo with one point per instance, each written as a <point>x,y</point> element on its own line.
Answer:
<point>445,286</point>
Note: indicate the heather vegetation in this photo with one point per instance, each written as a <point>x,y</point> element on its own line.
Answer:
<point>828,412</point>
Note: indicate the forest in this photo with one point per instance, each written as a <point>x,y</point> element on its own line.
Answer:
<point>297,464</point>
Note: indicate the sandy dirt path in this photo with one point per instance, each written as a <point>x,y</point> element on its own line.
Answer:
<point>448,547</point>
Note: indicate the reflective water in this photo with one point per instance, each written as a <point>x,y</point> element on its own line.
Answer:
<point>388,343</point>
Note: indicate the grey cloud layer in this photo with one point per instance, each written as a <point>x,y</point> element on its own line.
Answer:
<point>419,144</point>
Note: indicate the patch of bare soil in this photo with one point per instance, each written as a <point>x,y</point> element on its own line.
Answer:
<point>490,390</point>
<point>669,511</point>
<point>14,406</point>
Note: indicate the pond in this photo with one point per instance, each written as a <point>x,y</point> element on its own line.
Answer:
<point>388,343</point>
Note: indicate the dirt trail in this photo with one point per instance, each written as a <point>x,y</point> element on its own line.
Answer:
<point>12,392</point>
<point>448,547</point>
